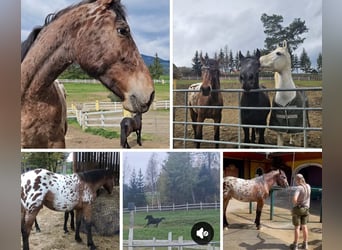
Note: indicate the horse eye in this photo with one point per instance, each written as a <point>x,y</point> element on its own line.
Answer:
<point>279,54</point>
<point>123,31</point>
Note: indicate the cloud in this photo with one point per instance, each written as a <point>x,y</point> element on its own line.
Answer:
<point>210,25</point>
<point>148,20</point>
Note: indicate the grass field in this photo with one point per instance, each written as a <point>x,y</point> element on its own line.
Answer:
<point>177,222</point>
<point>90,92</point>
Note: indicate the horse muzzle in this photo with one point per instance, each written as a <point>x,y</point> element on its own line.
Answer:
<point>137,104</point>
<point>206,90</point>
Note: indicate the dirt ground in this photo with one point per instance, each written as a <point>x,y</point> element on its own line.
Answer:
<point>155,134</point>
<point>52,235</point>
<point>231,116</point>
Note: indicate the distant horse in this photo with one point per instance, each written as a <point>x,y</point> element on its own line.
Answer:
<point>129,125</point>
<point>249,78</point>
<point>208,95</point>
<point>61,193</point>
<point>65,226</point>
<point>153,221</point>
<point>95,35</point>
<point>279,61</point>
<point>256,189</point>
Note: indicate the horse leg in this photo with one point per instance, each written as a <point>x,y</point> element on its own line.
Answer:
<point>261,135</point>
<point>139,136</point>
<point>246,133</point>
<point>27,220</point>
<point>36,225</point>
<point>217,131</point>
<point>78,224</point>
<point>253,135</point>
<point>225,205</point>
<point>87,219</point>
<point>66,217</point>
<point>72,222</point>
<point>280,139</point>
<point>260,204</point>
<point>194,126</point>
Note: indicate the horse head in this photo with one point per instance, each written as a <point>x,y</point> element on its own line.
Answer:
<point>210,75</point>
<point>249,71</point>
<point>281,179</point>
<point>278,60</point>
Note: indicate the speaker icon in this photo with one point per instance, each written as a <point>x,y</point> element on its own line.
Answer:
<point>201,233</point>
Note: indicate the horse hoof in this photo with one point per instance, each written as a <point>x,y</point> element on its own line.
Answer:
<point>259,227</point>
<point>79,240</point>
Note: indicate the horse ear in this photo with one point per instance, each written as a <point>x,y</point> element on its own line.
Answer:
<point>257,54</point>
<point>240,55</point>
<point>284,44</point>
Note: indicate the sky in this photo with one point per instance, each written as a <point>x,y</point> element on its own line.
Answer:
<point>208,26</point>
<point>138,160</point>
<point>149,21</point>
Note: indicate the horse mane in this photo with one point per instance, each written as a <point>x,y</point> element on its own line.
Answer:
<point>94,175</point>
<point>115,6</point>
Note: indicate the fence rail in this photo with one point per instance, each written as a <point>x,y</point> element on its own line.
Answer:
<point>185,122</point>
<point>104,114</point>
<point>173,207</point>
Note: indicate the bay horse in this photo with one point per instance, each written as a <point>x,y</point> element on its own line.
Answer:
<point>61,193</point>
<point>206,93</point>
<point>129,125</point>
<point>94,34</point>
<point>249,78</point>
<point>279,61</point>
<point>256,189</point>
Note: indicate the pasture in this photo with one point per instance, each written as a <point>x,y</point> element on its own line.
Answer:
<point>177,222</point>
<point>155,122</point>
<point>231,115</point>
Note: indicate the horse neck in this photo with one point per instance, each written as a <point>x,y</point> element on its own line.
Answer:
<point>284,80</point>
<point>50,54</point>
<point>269,179</point>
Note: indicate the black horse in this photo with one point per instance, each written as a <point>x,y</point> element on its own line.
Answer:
<point>249,78</point>
<point>129,125</point>
<point>153,221</point>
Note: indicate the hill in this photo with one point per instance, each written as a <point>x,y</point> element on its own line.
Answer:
<point>165,63</point>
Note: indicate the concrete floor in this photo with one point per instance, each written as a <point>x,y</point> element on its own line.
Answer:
<point>275,234</point>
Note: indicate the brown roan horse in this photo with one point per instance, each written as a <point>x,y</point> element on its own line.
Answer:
<point>94,34</point>
<point>61,193</point>
<point>256,189</point>
<point>208,95</point>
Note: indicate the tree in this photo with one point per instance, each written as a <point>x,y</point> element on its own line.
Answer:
<point>295,63</point>
<point>177,74</point>
<point>135,192</point>
<point>319,63</point>
<point>156,69</point>
<point>177,179</point>
<point>305,63</point>
<point>196,65</point>
<point>47,160</point>
<point>276,33</point>
<point>152,177</point>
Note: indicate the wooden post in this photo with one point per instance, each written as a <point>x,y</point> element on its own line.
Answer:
<point>130,232</point>
<point>169,238</point>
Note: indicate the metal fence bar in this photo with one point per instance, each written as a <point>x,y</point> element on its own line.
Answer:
<point>304,127</point>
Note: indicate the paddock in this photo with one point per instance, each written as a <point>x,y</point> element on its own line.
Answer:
<point>231,128</point>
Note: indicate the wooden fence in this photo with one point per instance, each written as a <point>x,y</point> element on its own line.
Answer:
<point>104,114</point>
<point>169,243</point>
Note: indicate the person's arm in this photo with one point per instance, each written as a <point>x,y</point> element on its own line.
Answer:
<point>295,197</point>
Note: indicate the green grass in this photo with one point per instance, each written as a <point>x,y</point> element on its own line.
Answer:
<point>177,222</point>
<point>90,92</point>
<point>103,132</point>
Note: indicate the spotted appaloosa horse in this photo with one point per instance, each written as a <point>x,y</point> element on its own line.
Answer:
<point>256,189</point>
<point>208,95</point>
<point>94,34</point>
<point>61,193</point>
